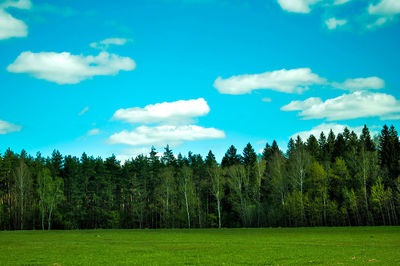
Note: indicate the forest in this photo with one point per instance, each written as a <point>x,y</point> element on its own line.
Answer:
<point>333,180</point>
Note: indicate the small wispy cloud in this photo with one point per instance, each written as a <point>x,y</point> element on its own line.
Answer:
<point>266,100</point>
<point>93,132</point>
<point>104,44</point>
<point>7,127</point>
<point>83,111</point>
<point>333,23</point>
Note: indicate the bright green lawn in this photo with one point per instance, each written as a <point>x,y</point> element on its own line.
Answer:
<point>360,245</point>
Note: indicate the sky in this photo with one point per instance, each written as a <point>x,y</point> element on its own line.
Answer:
<point>119,77</point>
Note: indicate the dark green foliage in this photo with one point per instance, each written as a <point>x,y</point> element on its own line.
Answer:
<point>249,156</point>
<point>231,157</point>
<point>365,140</point>
<point>343,180</point>
<point>313,146</point>
<point>389,155</point>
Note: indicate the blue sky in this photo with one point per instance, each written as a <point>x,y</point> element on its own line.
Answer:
<point>102,78</point>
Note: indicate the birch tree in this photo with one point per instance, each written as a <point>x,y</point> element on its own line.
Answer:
<point>23,184</point>
<point>259,174</point>
<point>187,188</point>
<point>166,190</point>
<point>239,184</point>
<point>50,195</point>
<point>217,188</point>
<point>298,163</point>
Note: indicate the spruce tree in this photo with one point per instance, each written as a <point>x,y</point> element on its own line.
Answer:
<point>231,157</point>
<point>365,140</point>
<point>249,156</point>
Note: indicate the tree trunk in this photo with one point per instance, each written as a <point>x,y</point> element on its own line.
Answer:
<point>49,220</point>
<point>219,211</point>
<point>187,205</point>
<point>42,217</point>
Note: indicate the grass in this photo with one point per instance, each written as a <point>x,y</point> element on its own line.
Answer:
<point>346,245</point>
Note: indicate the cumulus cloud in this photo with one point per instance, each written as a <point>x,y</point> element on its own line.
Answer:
<point>94,131</point>
<point>348,106</point>
<point>385,8</point>
<point>165,134</point>
<point>65,68</point>
<point>288,81</point>
<point>370,83</point>
<point>21,4</point>
<point>297,6</point>
<point>7,127</point>
<point>10,26</point>
<point>385,11</point>
<point>374,13</point>
<point>104,44</point>
<point>326,127</point>
<point>174,124</point>
<point>167,112</point>
<point>333,23</point>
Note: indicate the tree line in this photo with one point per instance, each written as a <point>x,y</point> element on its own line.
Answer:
<point>335,180</point>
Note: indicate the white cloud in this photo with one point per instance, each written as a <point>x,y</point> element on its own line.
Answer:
<point>84,111</point>
<point>391,117</point>
<point>341,2</point>
<point>266,100</point>
<point>375,12</point>
<point>288,81</point>
<point>167,112</point>
<point>163,135</point>
<point>370,83</point>
<point>336,128</point>
<point>65,68</point>
<point>10,26</point>
<point>385,8</point>
<point>348,106</point>
<point>21,4</point>
<point>104,44</point>
<point>93,132</point>
<point>297,6</point>
<point>7,127</point>
<point>378,22</point>
<point>333,23</point>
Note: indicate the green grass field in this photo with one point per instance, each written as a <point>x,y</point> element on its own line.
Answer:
<point>360,245</point>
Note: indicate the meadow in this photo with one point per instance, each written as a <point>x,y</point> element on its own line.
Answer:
<point>323,245</point>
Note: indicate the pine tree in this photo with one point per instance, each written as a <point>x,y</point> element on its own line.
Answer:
<point>231,157</point>
<point>249,156</point>
<point>339,147</point>
<point>389,154</point>
<point>330,145</point>
<point>168,157</point>
<point>290,148</point>
<point>210,160</point>
<point>365,140</point>
<point>313,146</point>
